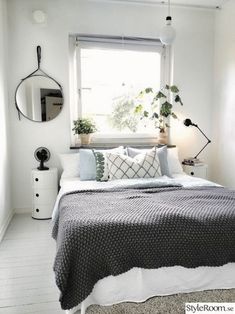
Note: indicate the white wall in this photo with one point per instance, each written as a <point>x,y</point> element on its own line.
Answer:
<point>193,68</point>
<point>224,97</point>
<point>5,204</point>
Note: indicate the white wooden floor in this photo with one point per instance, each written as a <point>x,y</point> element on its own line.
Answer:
<point>26,276</point>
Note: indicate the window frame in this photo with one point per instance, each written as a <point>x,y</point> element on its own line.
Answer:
<point>76,111</point>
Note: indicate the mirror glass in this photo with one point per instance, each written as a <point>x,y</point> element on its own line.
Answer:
<point>39,98</point>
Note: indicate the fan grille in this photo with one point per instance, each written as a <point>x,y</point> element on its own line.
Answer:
<point>42,153</point>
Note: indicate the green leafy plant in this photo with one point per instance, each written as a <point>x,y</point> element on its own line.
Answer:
<point>84,126</point>
<point>122,115</point>
<point>161,107</point>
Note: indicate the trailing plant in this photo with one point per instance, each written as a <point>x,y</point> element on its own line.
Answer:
<point>84,126</point>
<point>160,105</point>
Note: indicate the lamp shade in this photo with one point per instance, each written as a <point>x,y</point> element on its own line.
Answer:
<point>188,122</point>
<point>167,33</point>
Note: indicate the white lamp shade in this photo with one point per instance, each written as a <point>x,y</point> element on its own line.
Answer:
<point>167,35</point>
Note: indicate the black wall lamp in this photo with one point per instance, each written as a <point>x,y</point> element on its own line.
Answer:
<point>188,122</point>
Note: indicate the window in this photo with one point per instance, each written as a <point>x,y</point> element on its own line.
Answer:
<point>110,75</point>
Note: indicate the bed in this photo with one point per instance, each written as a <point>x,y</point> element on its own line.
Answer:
<point>160,231</point>
<point>149,282</point>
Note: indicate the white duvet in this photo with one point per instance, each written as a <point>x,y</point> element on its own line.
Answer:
<point>75,184</point>
<point>138,284</point>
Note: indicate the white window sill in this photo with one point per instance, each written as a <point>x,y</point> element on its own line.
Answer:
<point>115,139</point>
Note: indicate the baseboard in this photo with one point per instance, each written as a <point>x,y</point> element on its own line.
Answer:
<point>23,210</point>
<point>6,224</point>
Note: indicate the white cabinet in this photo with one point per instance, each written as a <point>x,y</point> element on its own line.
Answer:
<point>196,171</point>
<point>45,190</point>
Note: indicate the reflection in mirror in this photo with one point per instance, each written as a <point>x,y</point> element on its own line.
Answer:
<point>39,98</point>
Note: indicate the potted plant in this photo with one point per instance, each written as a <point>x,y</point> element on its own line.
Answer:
<point>160,108</point>
<point>85,128</point>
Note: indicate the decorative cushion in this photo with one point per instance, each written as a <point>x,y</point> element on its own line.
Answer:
<point>88,162</point>
<point>102,171</point>
<point>162,153</point>
<point>101,166</point>
<point>141,166</point>
<point>70,164</point>
<point>175,165</point>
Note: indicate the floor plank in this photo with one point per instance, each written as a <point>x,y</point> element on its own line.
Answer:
<point>27,282</point>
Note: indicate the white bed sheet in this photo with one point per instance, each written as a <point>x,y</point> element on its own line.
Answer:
<point>74,184</point>
<point>137,285</point>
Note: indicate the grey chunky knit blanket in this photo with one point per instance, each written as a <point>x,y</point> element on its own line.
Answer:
<point>108,232</point>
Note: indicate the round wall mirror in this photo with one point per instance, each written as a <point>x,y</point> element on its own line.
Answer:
<point>39,98</point>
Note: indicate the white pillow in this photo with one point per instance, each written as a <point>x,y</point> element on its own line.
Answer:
<point>173,161</point>
<point>70,164</point>
<point>144,165</point>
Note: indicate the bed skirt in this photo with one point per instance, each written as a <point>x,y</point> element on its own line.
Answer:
<point>138,285</point>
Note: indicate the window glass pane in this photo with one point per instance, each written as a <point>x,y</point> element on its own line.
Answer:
<point>111,80</point>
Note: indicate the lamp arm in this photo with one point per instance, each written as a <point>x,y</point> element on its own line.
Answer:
<point>203,133</point>
<point>208,141</point>
<point>202,149</point>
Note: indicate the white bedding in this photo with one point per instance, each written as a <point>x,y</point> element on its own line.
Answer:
<point>75,184</point>
<point>153,282</point>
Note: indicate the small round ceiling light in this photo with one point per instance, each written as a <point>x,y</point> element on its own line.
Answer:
<point>39,17</point>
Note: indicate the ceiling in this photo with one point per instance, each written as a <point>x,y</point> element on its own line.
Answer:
<point>193,3</point>
<point>207,3</point>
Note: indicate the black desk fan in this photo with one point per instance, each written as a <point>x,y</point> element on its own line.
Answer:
<point>42,155</point>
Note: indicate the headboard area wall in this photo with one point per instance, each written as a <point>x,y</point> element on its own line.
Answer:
<point>193,57</point>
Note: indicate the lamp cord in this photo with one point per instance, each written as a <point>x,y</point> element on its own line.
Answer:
<point>169,10</point>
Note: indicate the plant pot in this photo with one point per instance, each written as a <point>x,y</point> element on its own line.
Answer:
<point>85,139</point>
<point>163,137</point>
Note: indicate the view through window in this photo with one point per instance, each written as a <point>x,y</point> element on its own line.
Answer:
<point>111,81</point>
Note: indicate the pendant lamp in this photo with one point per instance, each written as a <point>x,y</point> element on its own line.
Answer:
<point>168,33</point>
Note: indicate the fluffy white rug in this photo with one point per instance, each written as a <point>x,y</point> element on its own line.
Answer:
<point>173,304</point>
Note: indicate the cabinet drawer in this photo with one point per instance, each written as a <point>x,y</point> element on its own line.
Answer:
<point>44,196</point>
<point>44,179</point>
<point>196,171</point>
<point>42,211</point>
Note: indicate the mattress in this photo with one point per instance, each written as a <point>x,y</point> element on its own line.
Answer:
<point>153,282</point>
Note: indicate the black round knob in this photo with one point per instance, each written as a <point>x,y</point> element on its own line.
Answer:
<point>192,173</point>
<point>37,210</point>
<point>37,179</point>
<point>37,195</point>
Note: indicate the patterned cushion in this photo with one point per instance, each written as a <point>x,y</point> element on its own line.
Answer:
<point>141,166</point>
<point>102,163</point>
<point>162,153</point>
<point>88,163</point>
